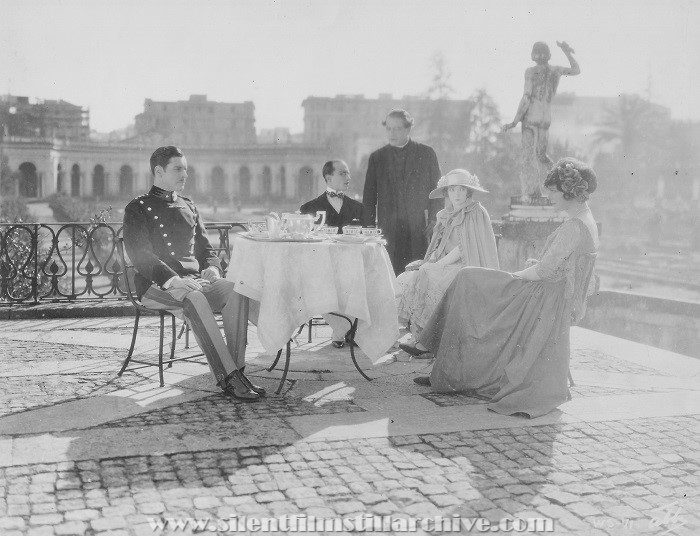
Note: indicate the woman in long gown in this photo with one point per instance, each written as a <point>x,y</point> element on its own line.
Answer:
<point>505,337</point>
<point>463,236</point>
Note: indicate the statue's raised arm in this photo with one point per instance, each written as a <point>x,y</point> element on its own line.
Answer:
<point>574,68</point>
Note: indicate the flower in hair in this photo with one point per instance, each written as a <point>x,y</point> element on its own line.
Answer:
<point>572,183</point>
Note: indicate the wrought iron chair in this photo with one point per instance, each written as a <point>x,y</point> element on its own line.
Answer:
<point>129,271</point>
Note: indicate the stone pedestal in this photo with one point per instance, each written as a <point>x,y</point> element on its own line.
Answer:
<point>524,230</point>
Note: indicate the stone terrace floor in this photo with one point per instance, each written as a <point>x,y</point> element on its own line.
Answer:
<point>83,451</point>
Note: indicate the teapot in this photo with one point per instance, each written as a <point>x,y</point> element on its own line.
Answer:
<point>302,224</point>
<point>274,225</point>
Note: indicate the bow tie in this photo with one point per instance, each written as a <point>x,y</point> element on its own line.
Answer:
<point>340,195</point>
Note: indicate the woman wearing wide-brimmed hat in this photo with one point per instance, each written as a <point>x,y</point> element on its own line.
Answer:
<point>463,236</point>
<point>504,336</point>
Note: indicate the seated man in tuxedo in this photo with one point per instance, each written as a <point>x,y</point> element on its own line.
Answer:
<point>341,210</point>
<point>177,269</point>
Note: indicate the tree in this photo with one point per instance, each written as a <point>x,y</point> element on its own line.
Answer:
<point>8,179</point>
<point>493,156</point>
<point>636,132</point>
<point>448,122</point>
<point>484,128</point>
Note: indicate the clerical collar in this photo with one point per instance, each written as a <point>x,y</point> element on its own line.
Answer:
<point>163,194</point>
<point>399,147</point>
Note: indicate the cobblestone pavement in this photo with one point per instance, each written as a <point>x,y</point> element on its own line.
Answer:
<point>609,463</point>
<point>603,478</point>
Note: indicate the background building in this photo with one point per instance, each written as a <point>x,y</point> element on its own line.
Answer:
<point>197,122</point>
<point>45,146</point>
<point>50,119</point>
<point>226,164</point>
<point>350,126</point>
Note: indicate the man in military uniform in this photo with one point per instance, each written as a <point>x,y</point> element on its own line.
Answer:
<point>178,269</point>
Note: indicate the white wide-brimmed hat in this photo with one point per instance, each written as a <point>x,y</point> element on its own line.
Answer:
<point>456,177</point>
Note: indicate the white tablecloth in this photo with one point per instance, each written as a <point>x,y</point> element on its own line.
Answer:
<point>295,281</point>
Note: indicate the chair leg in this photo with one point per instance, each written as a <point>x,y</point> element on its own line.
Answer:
<point>172,342</point>
<point>160,348</point>
<point>187,336</point>
<point>311,323</point>
<point>286,368</point>
<point>182,330</point>
<point>133,343</point>
<point>274,364</point>
<point>351,337</point>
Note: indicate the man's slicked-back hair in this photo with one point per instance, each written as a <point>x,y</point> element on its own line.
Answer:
<point>162,155</point>
<point>329,167</point>
<point>407,118</point>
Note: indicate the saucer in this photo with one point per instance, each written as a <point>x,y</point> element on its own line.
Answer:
<point>348,239</point>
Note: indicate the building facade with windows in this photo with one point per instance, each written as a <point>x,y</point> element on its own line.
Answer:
<point>225,161</point>
<point>21,117</point>
<point>198,122</point>
<point>350,126</point>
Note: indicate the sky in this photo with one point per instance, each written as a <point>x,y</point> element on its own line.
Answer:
<point>112,55</point>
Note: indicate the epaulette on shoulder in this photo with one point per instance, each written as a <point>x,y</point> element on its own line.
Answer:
<point>186,198</point>
<point>137,199</point>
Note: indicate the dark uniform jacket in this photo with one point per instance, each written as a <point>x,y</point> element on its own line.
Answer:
<point>397,198</point>
<point>164,237</point>
<point>351,212</point>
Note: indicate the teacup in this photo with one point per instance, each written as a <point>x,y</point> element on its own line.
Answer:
<point>352,230</point>
<point>371,231</point>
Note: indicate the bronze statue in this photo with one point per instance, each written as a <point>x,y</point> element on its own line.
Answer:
<point>534,112</point>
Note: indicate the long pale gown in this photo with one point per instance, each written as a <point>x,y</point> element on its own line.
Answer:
<point>506,339</point>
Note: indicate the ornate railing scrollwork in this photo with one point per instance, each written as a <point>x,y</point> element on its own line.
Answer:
<point>72,261</point>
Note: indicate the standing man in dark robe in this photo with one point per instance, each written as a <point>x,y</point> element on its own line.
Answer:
<point>400,176</point>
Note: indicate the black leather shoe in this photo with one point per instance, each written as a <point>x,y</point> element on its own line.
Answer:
<point>236,387</point>
<point>412,350</point>
<point>422,380</point>
<point>255,388</point>
<point>338,344</point>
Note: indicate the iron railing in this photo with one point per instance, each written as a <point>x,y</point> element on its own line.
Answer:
<point>43,262</point>
<point>72,261</point>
